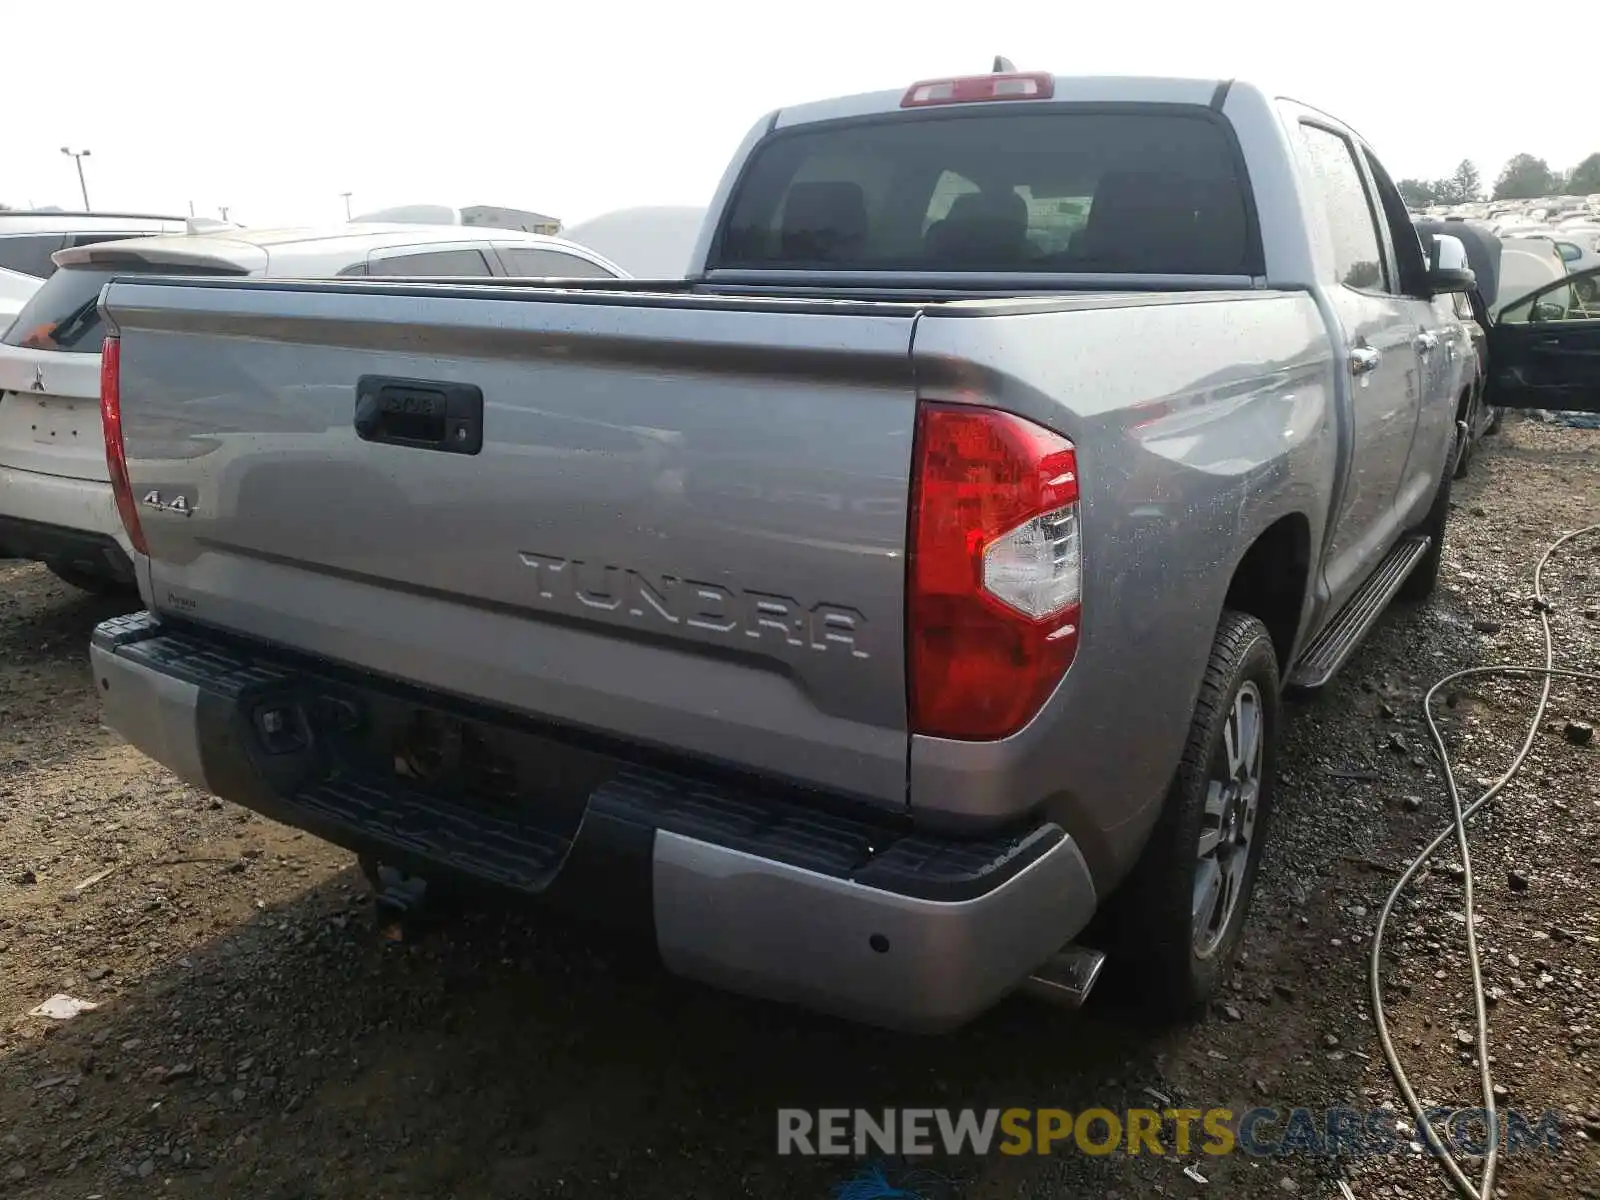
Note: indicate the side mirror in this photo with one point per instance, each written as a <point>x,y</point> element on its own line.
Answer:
<point>1448,270</point>
<point>1569,251</point>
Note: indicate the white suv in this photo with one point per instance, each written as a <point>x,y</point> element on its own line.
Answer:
<point>56,504</point>
<point>29,239</point>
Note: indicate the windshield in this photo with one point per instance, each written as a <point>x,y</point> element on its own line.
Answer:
<point>1061,190</point>
<point>64,314</point>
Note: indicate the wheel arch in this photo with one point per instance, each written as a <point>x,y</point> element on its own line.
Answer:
<point>1272,580</point>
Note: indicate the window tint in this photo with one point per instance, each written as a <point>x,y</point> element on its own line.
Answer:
<point>1409,265</point>
<point>1557,303</point>
<point>433,262</point>
<point>1352,231</point>
<point>64,314</point>
<point>553,264</point>
<point>30,253</point>
<point>1059,191</point>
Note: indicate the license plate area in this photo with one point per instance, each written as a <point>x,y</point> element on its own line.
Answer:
<point>60,421</point>
<point>467,761</point>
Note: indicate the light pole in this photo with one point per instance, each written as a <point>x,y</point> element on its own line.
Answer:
<point>78,156</point>
<point>223,209</point>
<point>346,196</point>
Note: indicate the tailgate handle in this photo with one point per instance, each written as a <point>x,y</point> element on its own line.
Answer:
<point>420,413</point>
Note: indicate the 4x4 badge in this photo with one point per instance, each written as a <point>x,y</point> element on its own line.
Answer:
<point>178,504</point>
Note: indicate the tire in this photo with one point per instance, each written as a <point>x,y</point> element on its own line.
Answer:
<point>1469,443</point>
<point>1424,577</point>
<point>1168,961</point>
<point>89,581</point>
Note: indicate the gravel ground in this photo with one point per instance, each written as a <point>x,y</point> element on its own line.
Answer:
<point>257,1035</point>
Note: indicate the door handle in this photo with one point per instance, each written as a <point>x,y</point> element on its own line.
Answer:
<point>420,413</point>
<point>1364,360</point>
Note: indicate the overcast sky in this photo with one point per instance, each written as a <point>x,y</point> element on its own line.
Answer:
<point>276,108</point>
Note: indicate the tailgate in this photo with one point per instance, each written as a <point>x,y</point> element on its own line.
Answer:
<point>684,526</point>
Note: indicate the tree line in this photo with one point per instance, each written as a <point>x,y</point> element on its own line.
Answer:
<point>1524,177</point>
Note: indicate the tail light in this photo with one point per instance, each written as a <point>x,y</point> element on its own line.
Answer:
<point>116,455</point>
<point>995,570</point>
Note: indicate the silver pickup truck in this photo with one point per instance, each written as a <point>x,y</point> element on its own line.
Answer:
<point>866,614</point>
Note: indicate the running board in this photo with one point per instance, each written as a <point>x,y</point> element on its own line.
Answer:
<point>1067,977</point>
<point>1344,633</point>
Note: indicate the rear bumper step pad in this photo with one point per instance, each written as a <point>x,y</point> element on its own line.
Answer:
<point>754,892</point>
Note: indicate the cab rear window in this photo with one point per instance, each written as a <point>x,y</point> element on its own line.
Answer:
<point>1059,190</point>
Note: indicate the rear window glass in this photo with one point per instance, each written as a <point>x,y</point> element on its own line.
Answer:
<point>64,314</point>
<point>1053,191</point>
<point>29,253</point>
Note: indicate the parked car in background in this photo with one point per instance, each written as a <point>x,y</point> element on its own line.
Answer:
<point>478,215</point>
<point>56,504</point>
<point>1484,252</point>
<point>1528,262</point>
<point>28,239</point>
<point>15,290</point>
<point>861,615</point>
<point>1579,247</point>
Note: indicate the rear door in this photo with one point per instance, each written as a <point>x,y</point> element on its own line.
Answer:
<point>1544,350</point>
<point>1382,331</point>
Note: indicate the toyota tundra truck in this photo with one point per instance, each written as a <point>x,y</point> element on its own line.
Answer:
<point>890,614</point>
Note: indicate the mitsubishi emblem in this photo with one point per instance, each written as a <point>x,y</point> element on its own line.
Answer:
<point>38,378</point>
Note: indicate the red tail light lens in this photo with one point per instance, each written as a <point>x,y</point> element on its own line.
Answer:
<point>1015,85</point>
<point>995,571</point>
<point>116,456</point>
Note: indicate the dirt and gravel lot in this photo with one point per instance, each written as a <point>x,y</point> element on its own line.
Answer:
<point>257,1036</point>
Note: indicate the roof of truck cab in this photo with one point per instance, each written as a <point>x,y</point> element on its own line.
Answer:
<point>1087,89</point>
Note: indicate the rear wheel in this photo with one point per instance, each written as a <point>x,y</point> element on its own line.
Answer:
<point>1469,439</point>
<point>1177,920</point>
<point>1424,577</point>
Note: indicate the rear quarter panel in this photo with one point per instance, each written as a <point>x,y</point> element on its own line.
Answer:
<point>1198,424</point>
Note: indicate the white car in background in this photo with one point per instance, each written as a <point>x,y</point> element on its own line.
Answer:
<point>29,239</point>
<point>56,503</point>
<point>1527,263</point>
<point>15,291</point>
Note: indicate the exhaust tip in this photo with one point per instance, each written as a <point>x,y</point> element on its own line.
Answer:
<point>1067,977</point>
